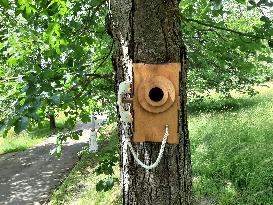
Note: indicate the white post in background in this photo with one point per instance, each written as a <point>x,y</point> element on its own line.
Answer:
<point>93,145</point>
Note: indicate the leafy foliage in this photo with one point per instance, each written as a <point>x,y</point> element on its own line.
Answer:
<point>55,55</point>
<point>228,44</point>
<point>81,184</point>
<point>107,161</point>
<point>61,138</point>
<point>105,185</point>
<point>59,50</point>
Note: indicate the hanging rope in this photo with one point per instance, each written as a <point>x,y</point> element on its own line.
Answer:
<point>166,134</point>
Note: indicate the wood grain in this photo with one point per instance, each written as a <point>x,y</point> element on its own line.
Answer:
<point>150,118</point>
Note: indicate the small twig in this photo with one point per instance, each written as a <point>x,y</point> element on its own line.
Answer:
<point>224,29</point>
<point>96,75</point>
<point>8,79</point>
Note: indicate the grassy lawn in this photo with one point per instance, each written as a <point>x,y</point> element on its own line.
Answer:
<point>232,155</point>
<point>18,142</point>
<point>80,185</point>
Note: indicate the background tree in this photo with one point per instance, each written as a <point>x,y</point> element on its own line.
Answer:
<point>53,47</point>
<point>234,38</point>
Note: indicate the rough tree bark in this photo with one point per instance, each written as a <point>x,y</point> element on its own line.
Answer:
<point>52,123</point>
<point>148,31</point>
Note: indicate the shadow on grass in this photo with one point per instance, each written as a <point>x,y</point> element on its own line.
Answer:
<point>19,142</point>
<point>15,149</point>
<point>40,132</point>
<point>221,104</point>
<point>79,184</point>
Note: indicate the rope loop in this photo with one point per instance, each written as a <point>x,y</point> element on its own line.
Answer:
<point>161,151</point>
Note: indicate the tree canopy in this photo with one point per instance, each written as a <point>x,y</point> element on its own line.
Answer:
<point>229,43</point>
<point>55,55</point>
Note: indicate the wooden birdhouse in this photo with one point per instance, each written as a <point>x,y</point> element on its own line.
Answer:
<point>156,102</point>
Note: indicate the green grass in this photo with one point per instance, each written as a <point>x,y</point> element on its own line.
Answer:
<point>80,185</point>
<point>232,155</point>
<point>18,142</point>
<point>232,151</point>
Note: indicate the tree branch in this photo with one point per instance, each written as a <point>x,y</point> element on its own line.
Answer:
<point>96,76</point>
<point>223,28</point>
<point>3,79</point>
<point>105,57</point>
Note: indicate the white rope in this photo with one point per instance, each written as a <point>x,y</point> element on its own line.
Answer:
<point>159,155</point>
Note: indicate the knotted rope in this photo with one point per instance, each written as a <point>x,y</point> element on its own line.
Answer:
<point>165,137</point>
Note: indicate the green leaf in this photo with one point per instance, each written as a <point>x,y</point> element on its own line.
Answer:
<point>34,116</point>
<point>100,185</point>
<point>56,99</point>
<point>270,43</point>
<point>241,1</point>
<point>85,117</point>
<point>105,185</point>
<point>70,122</point>
<point>216,2</point>
<point>2,125</point>
<point>265,19</point>
<point>12,61</point>
<point>4,3</point>
<point>217,5</point>
<point>21,124</point>
<point>30,10</point>
<point>2,45</point>
<point>252,2</point>
<point>56,29</point>
<point>75,135</point>
<point>262,2</point>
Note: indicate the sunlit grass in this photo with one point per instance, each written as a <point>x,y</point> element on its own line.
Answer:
<point>80,185</point>
<point>232,155</point>
<point>232,151</point>
<point>18,142</point>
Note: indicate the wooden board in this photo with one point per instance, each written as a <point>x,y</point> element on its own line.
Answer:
<point>156,101</point>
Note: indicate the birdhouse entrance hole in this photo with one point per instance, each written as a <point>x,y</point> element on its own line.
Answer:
<point>156,94</point>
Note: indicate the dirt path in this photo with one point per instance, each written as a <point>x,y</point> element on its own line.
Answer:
<point>30,176</point>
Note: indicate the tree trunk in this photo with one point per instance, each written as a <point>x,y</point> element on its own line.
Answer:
<point>148,32</point>
<point>52,123</point>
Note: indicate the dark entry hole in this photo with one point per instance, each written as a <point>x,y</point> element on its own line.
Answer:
<point>156,94</point>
